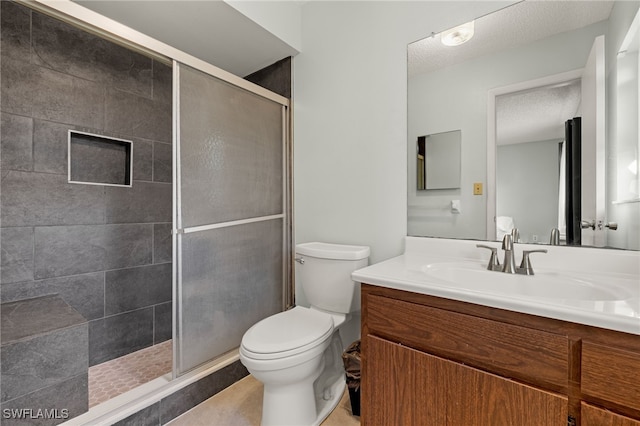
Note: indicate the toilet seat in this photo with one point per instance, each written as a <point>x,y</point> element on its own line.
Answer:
<point>286,334</point>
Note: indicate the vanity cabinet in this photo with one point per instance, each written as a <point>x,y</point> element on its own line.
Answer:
<point>434,361</point>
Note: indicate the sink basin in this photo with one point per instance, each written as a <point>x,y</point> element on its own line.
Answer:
<point>544,284</point>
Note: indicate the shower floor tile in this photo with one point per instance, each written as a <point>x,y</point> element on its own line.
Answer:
<point>120,375</point>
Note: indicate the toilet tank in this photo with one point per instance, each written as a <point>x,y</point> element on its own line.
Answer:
<point>324,271</point>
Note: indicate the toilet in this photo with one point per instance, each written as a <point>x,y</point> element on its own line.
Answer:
<point>297,354</point>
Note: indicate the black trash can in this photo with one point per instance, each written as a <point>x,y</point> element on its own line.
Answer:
<point>352,362</point>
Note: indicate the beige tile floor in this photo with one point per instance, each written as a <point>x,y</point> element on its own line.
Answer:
<point>241,405</point>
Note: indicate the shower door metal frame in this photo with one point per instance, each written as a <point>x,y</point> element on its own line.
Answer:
<point>177,223</point>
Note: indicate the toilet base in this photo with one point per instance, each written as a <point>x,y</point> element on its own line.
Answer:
<point>288,405</point>
<point>326,407</point>
<point>298,405</point>
<point>309,401</point>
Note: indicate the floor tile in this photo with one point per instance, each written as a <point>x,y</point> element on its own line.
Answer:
<point>241,405</point>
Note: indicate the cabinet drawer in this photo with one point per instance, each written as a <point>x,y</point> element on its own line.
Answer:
<point>594,416</point>
<point>531,355</point>
<point>611,374</point>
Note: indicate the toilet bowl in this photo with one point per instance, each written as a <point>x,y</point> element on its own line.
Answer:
<point>296,354</point>
<point>289,368</point>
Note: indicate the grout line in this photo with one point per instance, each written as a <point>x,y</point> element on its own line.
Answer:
<point>153,325</point>
<point>133,310</point>
<point>104,295</point>
<point>153,244</point>
<point>153,164</point>
<point>89,224</point>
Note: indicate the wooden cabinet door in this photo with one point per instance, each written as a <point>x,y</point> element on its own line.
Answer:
<point>402,386</point>
<point>388,385</point>
<point>594,416</point>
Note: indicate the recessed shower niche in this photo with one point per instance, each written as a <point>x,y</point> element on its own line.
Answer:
<point>99,160</point>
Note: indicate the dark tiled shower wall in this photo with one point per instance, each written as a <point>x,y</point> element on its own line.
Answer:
<point>106,250</point>
<point>276,77</point>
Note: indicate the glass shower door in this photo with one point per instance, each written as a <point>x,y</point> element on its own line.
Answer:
<point>229,214</point>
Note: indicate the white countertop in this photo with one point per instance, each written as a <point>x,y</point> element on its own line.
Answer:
<point>606,270</point>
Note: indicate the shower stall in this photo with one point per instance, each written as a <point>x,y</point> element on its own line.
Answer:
<point>144,214</point>
<point>229,218</point>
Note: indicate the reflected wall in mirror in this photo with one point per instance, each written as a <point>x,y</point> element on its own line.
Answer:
<point>536,160</point>
<point>458,87</point>
<point>623,177</point>
<point>438,161</point>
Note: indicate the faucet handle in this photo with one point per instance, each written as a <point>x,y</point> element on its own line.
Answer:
<point>494,263</point>
<point>525,266</point>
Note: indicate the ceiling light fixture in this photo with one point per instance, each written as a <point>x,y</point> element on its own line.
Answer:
<point>457,35</point>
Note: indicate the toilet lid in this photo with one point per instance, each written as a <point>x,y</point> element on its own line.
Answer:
<point>296,328</point>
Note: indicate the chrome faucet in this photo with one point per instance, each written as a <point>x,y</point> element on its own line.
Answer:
<point>509,263</point>
<point>554,240</point>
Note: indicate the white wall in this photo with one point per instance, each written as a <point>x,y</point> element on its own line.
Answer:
<point>619,146</point>
<point>456,98</point>
<point>527,181</point>
<point>350,117</point>
<point>350,97</point>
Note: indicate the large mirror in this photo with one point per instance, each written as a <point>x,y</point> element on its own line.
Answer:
<point>531,74</point>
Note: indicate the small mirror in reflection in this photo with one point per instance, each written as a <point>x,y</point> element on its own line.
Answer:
<point>438,165</point>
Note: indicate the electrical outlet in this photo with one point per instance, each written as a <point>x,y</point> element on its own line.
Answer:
<point>477,188</point>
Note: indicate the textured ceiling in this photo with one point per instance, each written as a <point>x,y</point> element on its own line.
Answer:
<point>527,116</point>
<point>514,25</point>
<point>536,115</point>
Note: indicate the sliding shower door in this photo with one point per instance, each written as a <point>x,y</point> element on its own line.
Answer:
<point>229,214</point>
